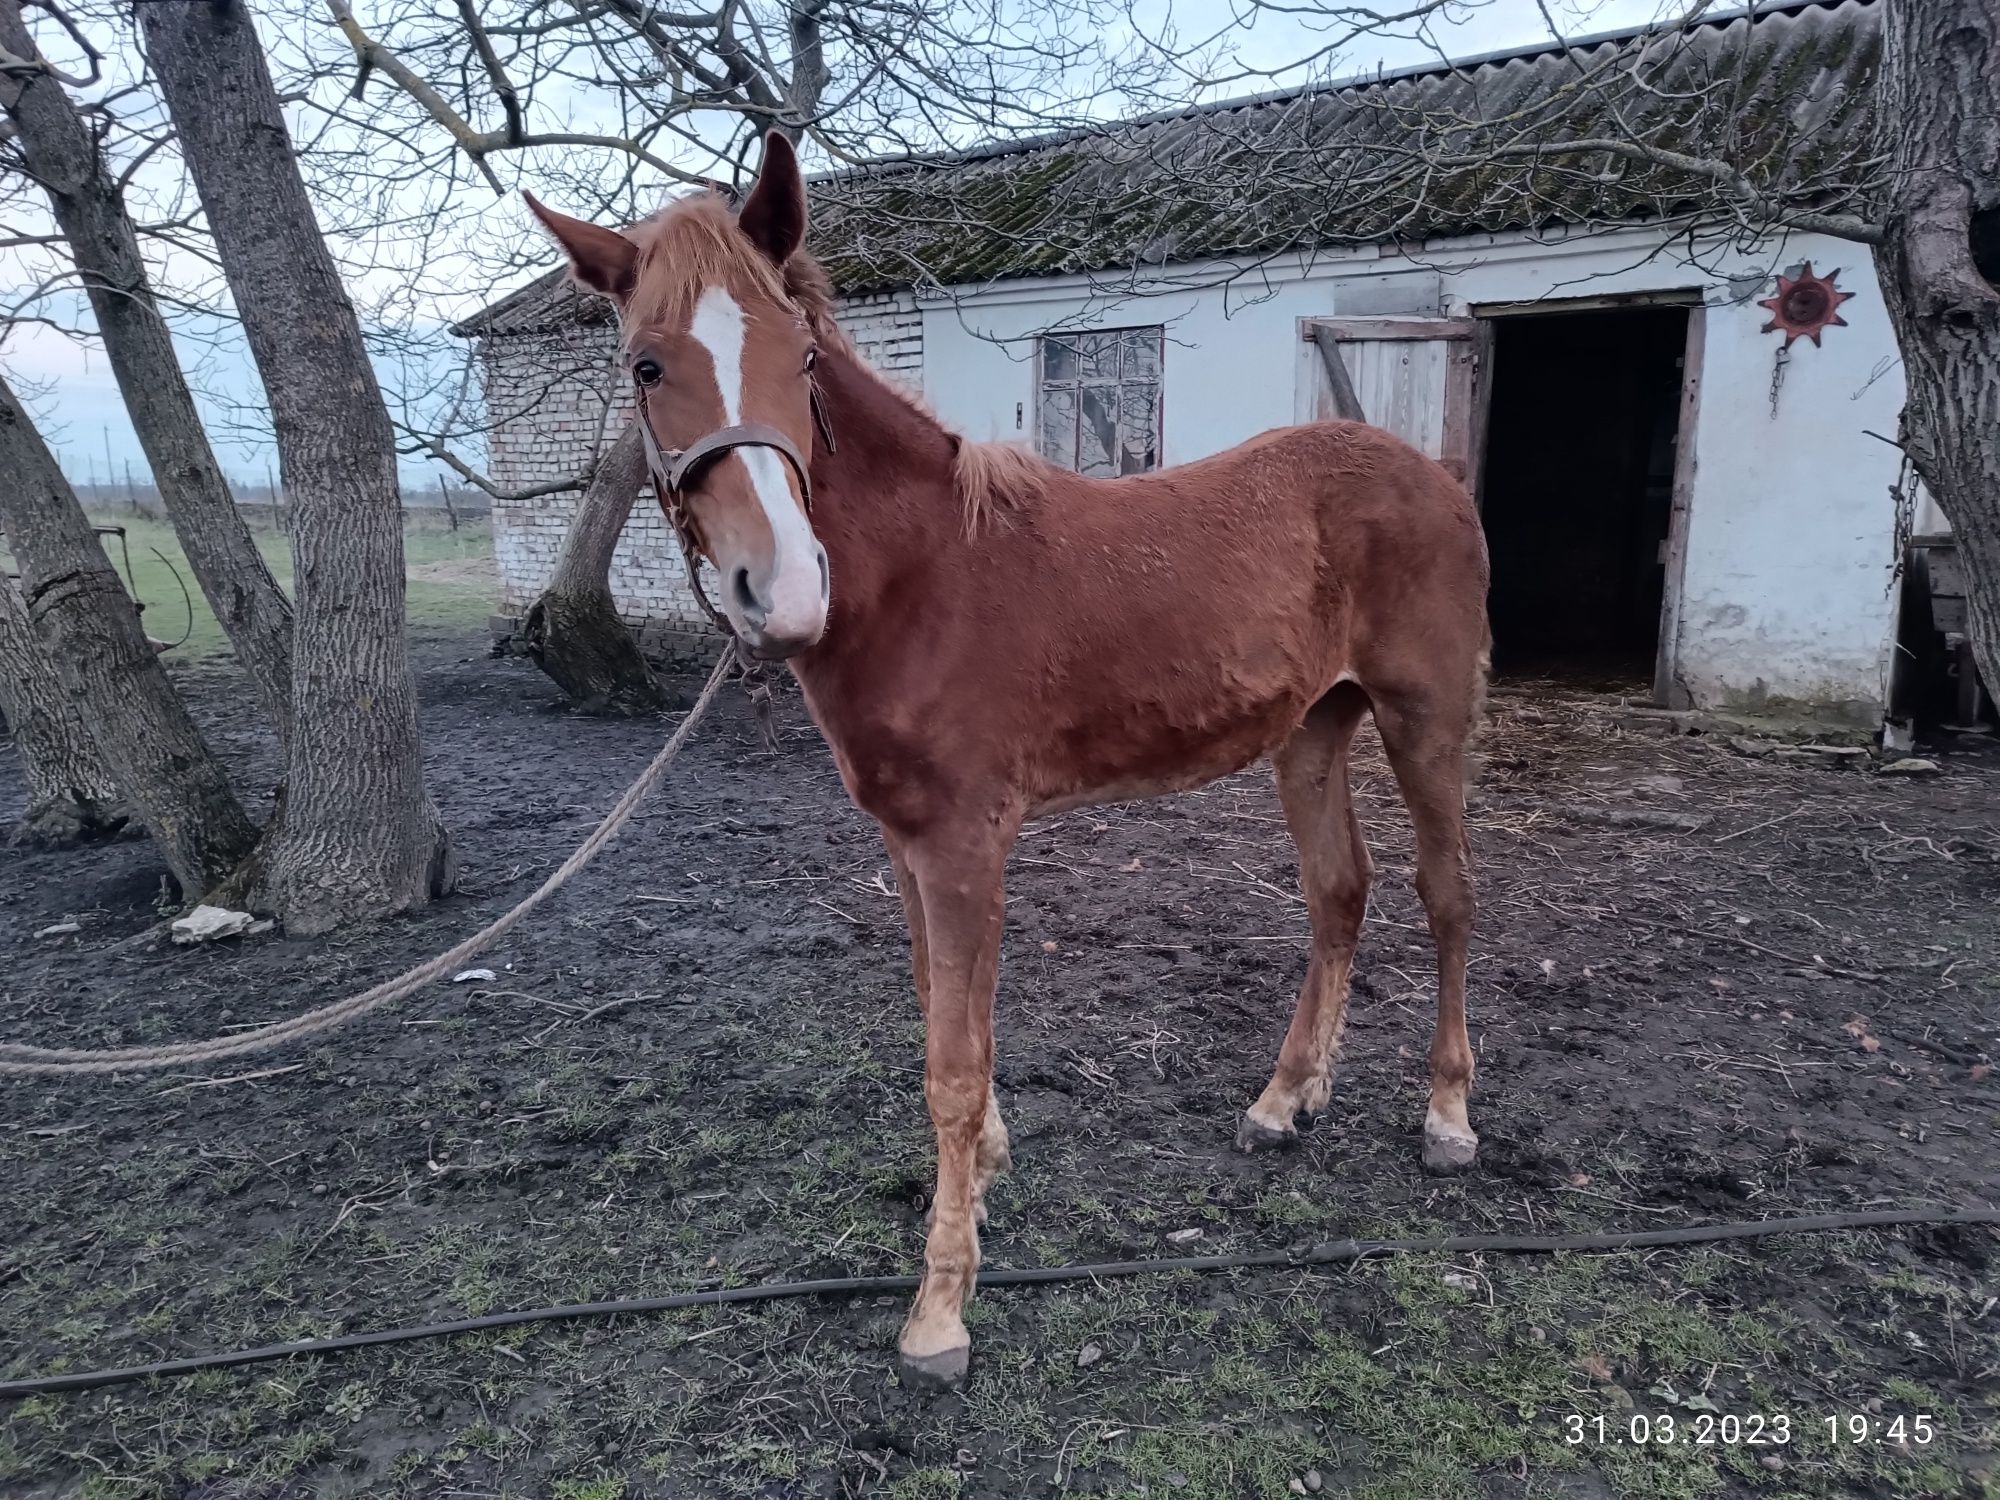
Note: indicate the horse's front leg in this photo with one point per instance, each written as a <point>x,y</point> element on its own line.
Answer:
<point>958,874</point>
<point>993,1155</point>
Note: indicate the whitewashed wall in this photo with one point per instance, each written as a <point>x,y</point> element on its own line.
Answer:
<point>1786,593</point>
<point>546,398</point>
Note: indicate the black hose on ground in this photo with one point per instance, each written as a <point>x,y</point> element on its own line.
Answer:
<point>1329,1253</point>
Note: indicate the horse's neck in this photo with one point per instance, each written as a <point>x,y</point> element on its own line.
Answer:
<point>884,503</point>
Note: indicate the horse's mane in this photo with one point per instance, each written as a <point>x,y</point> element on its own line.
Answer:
<point>694,243</point>
<point>996,477</point>
<point>686,247</point>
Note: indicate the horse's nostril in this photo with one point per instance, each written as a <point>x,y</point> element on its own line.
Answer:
<point>745,596</point>
<point>825,582</point>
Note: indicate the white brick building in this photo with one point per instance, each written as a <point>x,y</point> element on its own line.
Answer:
<point>1677,485</point>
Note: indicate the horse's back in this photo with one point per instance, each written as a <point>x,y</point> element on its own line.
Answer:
<point>1333,530</point>
<point>1171,627</point>
<point>1350,479</point>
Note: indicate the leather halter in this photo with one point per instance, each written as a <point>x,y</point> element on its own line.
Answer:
<point>673,468</point>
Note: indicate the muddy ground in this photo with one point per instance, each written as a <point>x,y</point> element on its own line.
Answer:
<point>1707,987</point>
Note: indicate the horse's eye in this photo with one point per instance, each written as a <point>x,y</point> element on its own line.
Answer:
<point>648,371</point>
<point>812,359</point>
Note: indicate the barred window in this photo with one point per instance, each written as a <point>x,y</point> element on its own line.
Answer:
<point>1098,406</point>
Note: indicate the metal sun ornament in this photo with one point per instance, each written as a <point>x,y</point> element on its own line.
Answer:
<point>1806,305</point>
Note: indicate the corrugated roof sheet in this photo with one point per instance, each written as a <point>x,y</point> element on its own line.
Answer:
<point>1783,95</point>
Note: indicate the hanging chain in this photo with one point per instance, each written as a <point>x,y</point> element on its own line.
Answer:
<point>1903,495</point>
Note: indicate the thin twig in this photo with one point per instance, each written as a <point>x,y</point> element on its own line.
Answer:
<point>589,1015</point>
<point>1743,942</point>
<point>216,1083</point>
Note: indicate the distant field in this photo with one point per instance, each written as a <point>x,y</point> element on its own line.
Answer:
<point>452,584</point>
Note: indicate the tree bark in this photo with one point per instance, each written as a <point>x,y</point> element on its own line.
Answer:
<point>810,73</point>
<point>357,836</point>
<point>71,793</point>
<point>61,155</point>
<point>573,630</point>
<point>1939,265</point>
<point>85,619</point>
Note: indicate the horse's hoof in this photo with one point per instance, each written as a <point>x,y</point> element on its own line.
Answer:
<point>942,1371</point>
<point>1446,1155</point>
<point>1253,1135</point>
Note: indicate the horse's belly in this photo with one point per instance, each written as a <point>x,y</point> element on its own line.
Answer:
<point>1133,759</point>
<point>1137,789</point>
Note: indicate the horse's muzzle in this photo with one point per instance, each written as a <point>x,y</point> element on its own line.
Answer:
<point>783,612</point>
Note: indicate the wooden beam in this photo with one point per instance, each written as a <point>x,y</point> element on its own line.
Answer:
<point>1358,330</point>
<point>1346,405</point>
<point>1667,689</point>
<point>1541,306</point>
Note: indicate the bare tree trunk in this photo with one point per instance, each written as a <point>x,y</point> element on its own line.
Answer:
<point>573,631</point>
<point>357,835</point>
<point>71,793</point>
<point>1939,264</point>
<point>61,155</point>
<point>810,73</point>
<point>83,615</point>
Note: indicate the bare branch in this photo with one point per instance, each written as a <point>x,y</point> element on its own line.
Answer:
<point>503,86</point>
<point>426,443</point>
<point>40,66</point>
<point>371,54</point>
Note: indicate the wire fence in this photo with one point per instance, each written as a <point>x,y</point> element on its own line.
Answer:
<point>267,507</point>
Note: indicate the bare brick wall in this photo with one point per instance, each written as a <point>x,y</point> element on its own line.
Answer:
<point>888,329</point>
<point>546,399</point>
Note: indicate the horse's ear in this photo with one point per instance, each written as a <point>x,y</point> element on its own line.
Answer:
<point>774,215</point>
<point>602,259</point>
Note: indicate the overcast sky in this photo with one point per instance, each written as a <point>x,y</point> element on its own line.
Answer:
<point>85,420</point>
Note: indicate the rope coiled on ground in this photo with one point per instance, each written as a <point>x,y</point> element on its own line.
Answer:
<point>18,1058</point>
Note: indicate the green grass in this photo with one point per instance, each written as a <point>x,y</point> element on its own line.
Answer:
<point>156,570</point>
<point>600,1487</point>
<point>1393,1379</point>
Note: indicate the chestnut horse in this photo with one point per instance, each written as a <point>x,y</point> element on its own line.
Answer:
<point>984,638</point>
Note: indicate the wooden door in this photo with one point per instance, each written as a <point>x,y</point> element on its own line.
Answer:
<point>1424,379</point>
<point>1668,689</point>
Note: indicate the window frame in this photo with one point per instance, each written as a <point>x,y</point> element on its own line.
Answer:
<point>1118,386</point>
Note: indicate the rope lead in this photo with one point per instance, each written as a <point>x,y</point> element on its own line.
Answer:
<point>19,1058</point>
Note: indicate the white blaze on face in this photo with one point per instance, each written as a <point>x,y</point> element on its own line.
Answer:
<point>794,593</point>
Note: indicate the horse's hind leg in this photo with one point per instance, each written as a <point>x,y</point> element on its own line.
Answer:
<point>1333,870</point>
<point>1427,741</point>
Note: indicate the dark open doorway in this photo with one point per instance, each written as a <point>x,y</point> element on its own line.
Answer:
<point>1578,489</point>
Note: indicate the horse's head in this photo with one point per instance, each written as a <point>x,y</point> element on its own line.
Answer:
<point>717,349</point>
